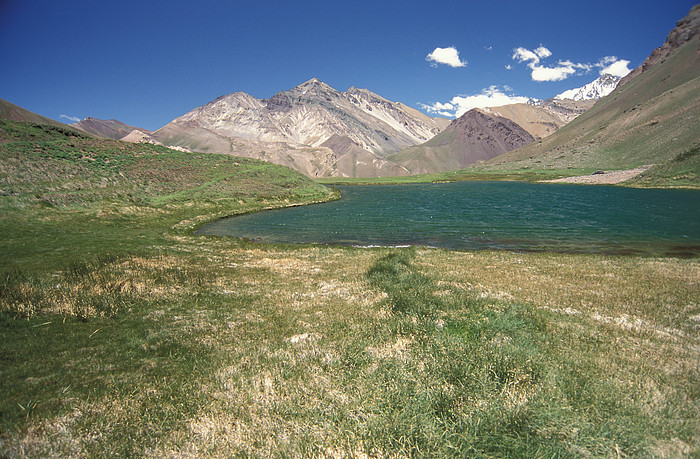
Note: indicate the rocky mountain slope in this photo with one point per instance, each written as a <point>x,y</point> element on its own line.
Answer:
<point>482,134</point>
<point>301,128</point>
<point>542,118</point>
<point>650,118</point>
<point>475,136</point>
<point>320,131</point>
<point>109,129</point>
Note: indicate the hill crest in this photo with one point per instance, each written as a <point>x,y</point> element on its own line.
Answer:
<point>477,135</point>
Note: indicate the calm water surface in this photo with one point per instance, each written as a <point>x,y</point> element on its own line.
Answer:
<point>488,215</point>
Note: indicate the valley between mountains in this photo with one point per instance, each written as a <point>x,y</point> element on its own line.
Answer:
<point>648,119</point>
<point>323,132</point>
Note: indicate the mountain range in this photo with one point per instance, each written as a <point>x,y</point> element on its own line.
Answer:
<point>324,132</point>
<point>475,136</point>
<point>647,118</point>
<point>312,128</point>
<point>321,131</point>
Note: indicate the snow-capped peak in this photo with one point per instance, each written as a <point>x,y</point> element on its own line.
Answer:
<point>601,87</point>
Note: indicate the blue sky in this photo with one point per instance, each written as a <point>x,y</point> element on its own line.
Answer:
<point>148,62</point>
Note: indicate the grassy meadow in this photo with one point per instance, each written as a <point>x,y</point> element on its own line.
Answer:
<point>124,334</point>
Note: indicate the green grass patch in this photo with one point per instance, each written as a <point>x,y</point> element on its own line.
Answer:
<point>681,171</point>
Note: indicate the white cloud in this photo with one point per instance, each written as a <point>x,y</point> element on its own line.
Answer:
<point>543,52</point>
<point>71,118</point>
<point>448,56</point>
<point>606,61</point>
<point>618,68</point>
<point>558,73</point>
<point>492,96</point>
<point>561,71</point>
<point>525,55</point>
<point>565,68</point>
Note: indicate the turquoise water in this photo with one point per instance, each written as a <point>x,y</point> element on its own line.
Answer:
<point>488,215</point>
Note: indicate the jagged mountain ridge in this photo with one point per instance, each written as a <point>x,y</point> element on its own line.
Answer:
<point>324,132</point>
<point>301,120</point>
<point>600,87</point>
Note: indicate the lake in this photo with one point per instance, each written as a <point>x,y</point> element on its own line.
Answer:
<point>488,215</point>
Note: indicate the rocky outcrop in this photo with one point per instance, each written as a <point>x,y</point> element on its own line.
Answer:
<point>278,102</point>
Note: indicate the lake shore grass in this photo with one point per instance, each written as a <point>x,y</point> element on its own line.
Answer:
<point>455,176</point>
<point>124,334</point>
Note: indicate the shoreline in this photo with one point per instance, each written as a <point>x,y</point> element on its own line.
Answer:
<point>604,178</point>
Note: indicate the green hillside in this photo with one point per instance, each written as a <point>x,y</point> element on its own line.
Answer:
<point>50,175</point>
<point>651,120</point>
<point>10,111</point>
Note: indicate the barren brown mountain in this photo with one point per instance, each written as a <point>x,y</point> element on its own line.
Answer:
<point>475,136</point>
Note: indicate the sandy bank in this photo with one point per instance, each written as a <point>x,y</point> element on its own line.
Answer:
<point>605,178</point>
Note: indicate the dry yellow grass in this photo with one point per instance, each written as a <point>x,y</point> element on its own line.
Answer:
<point>302,355</point>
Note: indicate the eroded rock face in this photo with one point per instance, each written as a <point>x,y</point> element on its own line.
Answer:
<point>685,29</point>
<point>279,102</point>
<point>313,112</point>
